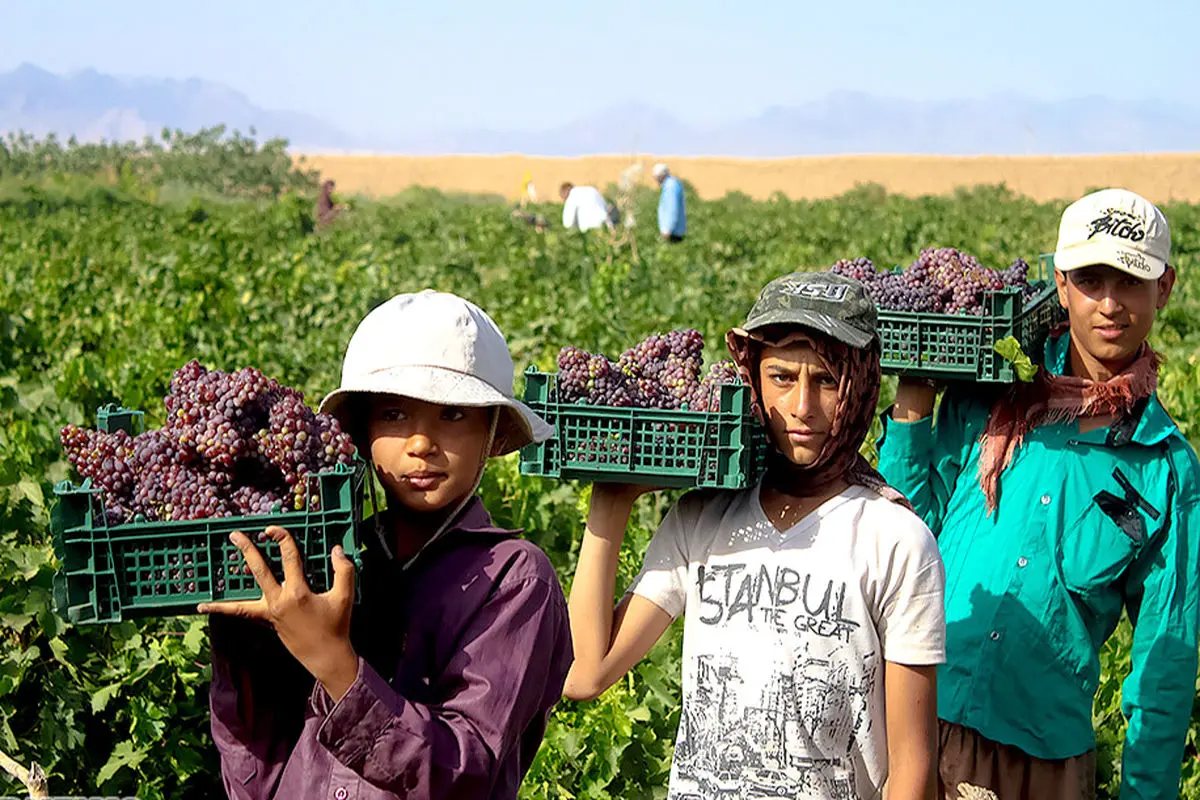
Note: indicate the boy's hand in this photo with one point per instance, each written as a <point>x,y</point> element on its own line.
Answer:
<point>315,628</point>
<point>914,399</point>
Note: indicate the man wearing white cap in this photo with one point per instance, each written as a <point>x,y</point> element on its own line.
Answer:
<point>1058,504</point>
<point>672,216</point>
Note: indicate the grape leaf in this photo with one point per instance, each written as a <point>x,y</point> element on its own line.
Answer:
<point>1010,349</point>
<point>125,754</point>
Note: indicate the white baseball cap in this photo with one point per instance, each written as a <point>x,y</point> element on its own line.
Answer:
<point>659,170</point>
<point>437,347</point>
<point>1115,227</point>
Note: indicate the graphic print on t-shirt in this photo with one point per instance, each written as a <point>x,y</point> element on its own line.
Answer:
<point>785,636</point>
<point>788,731</point>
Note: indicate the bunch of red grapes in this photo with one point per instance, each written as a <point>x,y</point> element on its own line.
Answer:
<point>233,444</point>
<point>941,280</point>
<point>663,371</point>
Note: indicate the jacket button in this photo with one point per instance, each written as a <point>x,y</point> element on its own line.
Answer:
<point>1022,561</point>
<point>341,793</point>
<point>995,636</point>
<point>1045,499</point>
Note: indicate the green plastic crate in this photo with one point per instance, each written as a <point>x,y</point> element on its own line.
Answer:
<point>961,346</point>
<point>113,572</point>
<point>720,449</point>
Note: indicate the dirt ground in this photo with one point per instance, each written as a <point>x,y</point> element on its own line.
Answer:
<point>1160,177</point>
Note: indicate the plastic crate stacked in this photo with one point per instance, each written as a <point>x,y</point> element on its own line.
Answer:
<point>113,572</point>
<point>962,347</point>
<point>722,449</point>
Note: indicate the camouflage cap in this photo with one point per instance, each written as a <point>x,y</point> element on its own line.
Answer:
<point>832,304</point>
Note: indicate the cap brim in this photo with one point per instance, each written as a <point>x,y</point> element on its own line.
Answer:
<point>823,323</point>
<point>1134,262</point>
<point>449,388</point>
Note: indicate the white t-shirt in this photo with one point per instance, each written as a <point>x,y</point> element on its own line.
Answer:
<point>785,639</point>
<point>585,208</point>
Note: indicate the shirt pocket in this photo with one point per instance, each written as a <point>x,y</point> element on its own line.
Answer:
<point>1106,537</point>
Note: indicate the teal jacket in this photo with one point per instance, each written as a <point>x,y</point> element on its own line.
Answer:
<point>1086,524</point>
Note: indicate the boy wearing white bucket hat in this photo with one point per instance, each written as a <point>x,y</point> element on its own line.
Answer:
<point>1057,505</point>
<point>441,684</point>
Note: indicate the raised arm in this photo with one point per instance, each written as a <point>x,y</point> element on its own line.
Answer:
<point>920,459</point>
<point>608,642</point>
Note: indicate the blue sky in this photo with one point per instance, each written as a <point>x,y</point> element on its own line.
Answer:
<point>529,64</point>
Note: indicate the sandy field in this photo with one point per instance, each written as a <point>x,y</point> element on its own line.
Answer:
<point>1160,177</point>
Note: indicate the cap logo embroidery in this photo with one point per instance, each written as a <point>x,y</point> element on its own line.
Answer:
<point>1119,224</point>
<point>1134,261</point>
<point>834,292</point>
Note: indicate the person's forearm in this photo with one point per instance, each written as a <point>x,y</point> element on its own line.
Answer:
<point>912,739</point>
<point>914,400</point>
<point>913,778</point>
<point>591,601</point>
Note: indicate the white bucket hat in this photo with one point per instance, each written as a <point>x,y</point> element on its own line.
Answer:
<point>1115,227</point>
<point>437,347</point>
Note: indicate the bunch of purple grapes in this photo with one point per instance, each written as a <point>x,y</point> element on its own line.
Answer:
<point>706,397</point>
<point>941,280</point>
<point>662,371</point>
<point>233,444</point>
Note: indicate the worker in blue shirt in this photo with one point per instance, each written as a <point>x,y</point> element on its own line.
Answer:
<point>672,217</point>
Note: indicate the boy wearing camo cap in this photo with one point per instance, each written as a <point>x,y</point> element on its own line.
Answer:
<point>812,600</point>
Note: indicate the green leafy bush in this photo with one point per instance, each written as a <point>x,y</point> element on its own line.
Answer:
<point>103,295</point>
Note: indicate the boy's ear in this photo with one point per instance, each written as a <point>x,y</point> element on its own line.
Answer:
<point>1166,284</point>
<point>1060,280</point>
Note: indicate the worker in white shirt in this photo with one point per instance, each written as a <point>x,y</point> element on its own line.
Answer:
<point>585,208</point>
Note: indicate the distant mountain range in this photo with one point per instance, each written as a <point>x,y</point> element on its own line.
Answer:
<point>93,106</point>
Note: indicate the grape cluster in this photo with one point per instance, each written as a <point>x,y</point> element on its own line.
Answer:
<point>233,444</point>
<point>941,280</point>
<point>662,371</point>
<point>706,398</point>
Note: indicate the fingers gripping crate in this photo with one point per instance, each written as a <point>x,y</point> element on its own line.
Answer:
<point>718,449</point>
<point>113,572</point>
<point>961,346</point>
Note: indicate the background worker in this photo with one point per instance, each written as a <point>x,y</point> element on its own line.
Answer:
<point>672,216</point>
<point>585,208</point>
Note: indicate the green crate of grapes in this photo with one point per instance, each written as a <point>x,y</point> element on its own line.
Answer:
<point>942,316</point>
<point>115,572</point>
<point>721,448</point>
<point>146,531</point>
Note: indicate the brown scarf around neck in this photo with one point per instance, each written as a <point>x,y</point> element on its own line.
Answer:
<point>1050,399</point>
<point>858,374</point>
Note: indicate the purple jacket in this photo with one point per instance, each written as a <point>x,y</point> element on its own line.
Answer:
<point>461,659</point>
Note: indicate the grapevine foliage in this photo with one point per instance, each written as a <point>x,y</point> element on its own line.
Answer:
<point>103,298</point>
